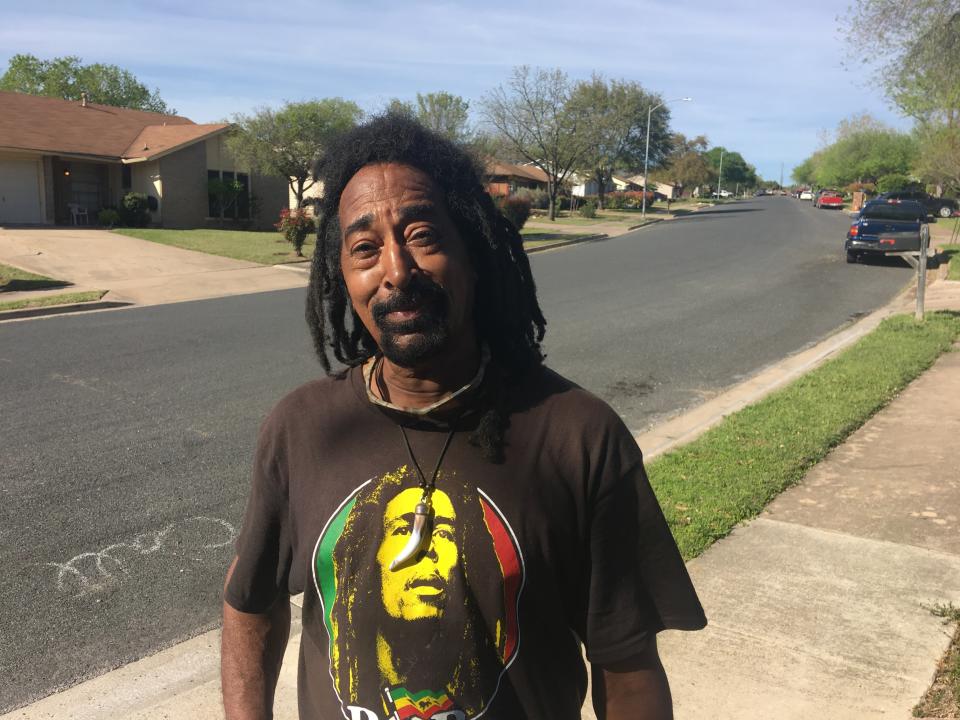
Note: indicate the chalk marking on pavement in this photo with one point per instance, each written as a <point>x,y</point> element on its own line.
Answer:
<point>106,565</point>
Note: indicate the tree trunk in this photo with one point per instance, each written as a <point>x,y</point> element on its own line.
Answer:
<point>552,192</point>
<point>601,178</point>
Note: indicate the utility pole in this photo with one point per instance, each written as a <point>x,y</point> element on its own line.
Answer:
<point>781,176</point>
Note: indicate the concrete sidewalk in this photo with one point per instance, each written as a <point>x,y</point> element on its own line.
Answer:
<point>135,271</point>
<point>818,608</point>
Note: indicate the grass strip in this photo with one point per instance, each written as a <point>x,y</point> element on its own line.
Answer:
<point>953,272</point>
<point>13,278</point>
<point>47,300</point>
<point>264,248</point>
<point>942,700</point>
<point>732,471</point>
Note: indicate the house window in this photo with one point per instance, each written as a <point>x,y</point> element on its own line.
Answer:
<point>126,177</point>
<point>213,200</point>
<point>234,208</point>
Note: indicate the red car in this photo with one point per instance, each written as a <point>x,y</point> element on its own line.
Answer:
<point>829,199</point>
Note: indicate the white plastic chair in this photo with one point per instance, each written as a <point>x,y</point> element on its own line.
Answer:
<point>77,212</point>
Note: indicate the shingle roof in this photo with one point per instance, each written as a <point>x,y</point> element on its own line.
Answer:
<point>530,172</point>
<point>52,125</point>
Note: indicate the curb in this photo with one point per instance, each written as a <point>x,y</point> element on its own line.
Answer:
<point>61,309</point>
<point>689,424</point>
<point>564,243</point>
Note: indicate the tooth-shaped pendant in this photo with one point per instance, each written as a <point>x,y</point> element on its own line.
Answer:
<point>420,516</point>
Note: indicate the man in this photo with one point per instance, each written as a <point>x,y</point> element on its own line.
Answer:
<point>422,289</point>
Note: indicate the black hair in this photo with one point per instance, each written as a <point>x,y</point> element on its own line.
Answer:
<point>507,315</point>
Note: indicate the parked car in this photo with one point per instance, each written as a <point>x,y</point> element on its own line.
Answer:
<point>940,207</point>
<point>883,227</point>
<point>805,195</point>
<point>829,199</point>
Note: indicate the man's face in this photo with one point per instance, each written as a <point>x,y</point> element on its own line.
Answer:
<point>404,263</point>
<point>417,590</point>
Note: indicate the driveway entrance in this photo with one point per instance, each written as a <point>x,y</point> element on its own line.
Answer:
<point>135,270</point>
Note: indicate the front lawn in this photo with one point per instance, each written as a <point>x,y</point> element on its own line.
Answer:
<point>732,471</point>
<point>265,248</point>
<point>536,238</point>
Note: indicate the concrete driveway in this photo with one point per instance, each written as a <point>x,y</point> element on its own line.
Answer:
<point>135,270</point>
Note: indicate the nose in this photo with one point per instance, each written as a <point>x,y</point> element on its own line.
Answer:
<point>398,264</point>
<point>431,553</point>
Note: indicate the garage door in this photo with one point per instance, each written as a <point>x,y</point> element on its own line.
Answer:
<point>20,191</point>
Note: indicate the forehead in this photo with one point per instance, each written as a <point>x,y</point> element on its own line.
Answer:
<point>374,186</point>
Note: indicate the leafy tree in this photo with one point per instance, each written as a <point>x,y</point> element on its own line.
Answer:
<point>864,151</point>
<point>288,142</point>
<point>616,126</point>
<point>444,113</point>
<point>534,114</point>
<point>938,158</point>
<point>735,170</point>
<point>917,45</point>
<point>66,77</point>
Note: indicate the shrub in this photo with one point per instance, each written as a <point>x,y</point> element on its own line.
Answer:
<point>588,209</point>
<point>108,217</point>
<point>516,209</point>
<point>614,201</point>
<point>893,182</point>
<point>295,225</point>
<point>133,210</point>
<point>538,198</point>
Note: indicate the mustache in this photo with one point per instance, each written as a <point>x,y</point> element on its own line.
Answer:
<point>419,293</point>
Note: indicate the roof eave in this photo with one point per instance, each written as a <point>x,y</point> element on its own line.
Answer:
<point>127,160</point>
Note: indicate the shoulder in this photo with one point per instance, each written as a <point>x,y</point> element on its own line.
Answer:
<point>314,403</point>
<point>547,392</point>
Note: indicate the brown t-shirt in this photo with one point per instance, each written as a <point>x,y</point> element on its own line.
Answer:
<point>562,542</point>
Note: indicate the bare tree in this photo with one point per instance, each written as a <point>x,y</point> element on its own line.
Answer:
<point>533,112</point>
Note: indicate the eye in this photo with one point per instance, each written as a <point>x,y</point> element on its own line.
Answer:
<point>363,249</point>
<point>444,533</point>
<point>401,529</point>
<point>423,236</point>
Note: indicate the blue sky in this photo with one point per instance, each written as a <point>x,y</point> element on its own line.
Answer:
<point>765,77</point>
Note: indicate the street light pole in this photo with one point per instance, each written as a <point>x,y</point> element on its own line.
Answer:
<point>646,152</point>
<point>720,175</point>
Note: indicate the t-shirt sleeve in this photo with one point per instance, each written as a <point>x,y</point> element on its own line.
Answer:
<point>638,584</point>
<point>264,548</point>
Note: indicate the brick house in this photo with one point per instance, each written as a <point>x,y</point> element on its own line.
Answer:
<point>61,161</point>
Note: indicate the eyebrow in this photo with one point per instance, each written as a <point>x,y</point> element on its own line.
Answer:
<point>407,213</point>
<point>361,223</point>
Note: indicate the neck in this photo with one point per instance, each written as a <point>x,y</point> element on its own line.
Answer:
<point>432,380</point>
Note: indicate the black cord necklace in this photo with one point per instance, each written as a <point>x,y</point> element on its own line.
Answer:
<point>419,532</point>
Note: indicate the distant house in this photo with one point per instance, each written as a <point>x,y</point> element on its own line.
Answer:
<point>671,191</point>
<point>506,178</point>
<point>61,161</point>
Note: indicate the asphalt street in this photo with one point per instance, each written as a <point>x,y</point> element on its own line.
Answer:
<point>125,436</point>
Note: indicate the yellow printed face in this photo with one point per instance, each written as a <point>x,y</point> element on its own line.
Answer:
<point>417,590</point>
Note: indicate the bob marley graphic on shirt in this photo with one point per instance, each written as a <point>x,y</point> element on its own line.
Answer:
<point>432,638</point>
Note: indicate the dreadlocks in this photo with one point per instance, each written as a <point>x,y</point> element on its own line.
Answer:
<point>506,312</point>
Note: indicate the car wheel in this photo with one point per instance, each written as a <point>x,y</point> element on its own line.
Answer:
<point>851,257</point>
<point>945,211</point>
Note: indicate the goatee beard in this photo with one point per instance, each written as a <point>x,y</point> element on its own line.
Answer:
<point>407,343</point>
